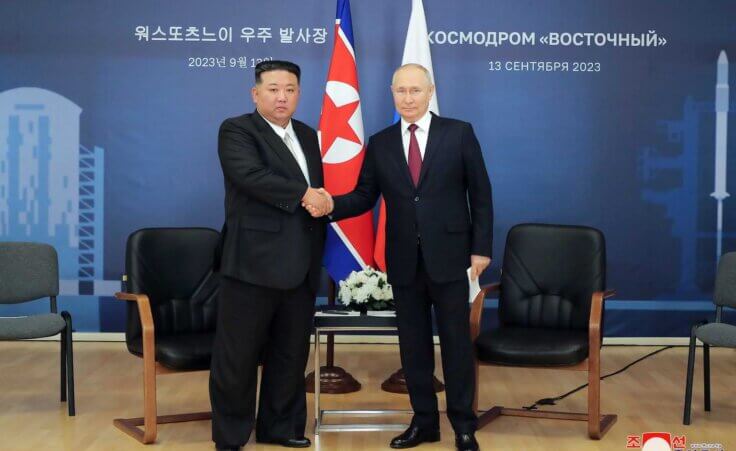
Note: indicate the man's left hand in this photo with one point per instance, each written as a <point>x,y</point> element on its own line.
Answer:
<point>478,264</point>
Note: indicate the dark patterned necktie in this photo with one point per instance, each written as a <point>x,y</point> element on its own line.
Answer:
<point>415,157</point>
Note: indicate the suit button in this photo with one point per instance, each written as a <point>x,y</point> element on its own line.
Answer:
<point>416,199</point>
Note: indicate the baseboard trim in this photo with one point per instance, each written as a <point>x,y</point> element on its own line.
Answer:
<point>393,339</point>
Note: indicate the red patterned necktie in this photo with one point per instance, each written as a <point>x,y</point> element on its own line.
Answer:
<point>415,157</point>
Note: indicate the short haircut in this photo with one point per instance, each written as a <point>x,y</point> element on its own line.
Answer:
<point>271,65</point>
<point>415,66</point>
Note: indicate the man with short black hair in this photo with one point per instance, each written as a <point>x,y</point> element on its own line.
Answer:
<point>271,263</point>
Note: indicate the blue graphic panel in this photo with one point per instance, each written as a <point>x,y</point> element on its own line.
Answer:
<point>614,114</point>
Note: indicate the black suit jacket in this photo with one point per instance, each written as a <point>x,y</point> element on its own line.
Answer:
<point>269,239</point>
<point>450,211</point>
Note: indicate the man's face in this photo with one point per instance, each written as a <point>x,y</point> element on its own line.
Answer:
<point>276,96</point>
<point>412,93</point>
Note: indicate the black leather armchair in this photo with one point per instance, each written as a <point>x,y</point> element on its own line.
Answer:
<point>172,295</point>
<point>550,310</point>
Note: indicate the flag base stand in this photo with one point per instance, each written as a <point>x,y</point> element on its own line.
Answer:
<point>333,380</point>
<point>397,383</point>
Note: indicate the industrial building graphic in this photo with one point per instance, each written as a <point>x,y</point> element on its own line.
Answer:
<point>52,187</point>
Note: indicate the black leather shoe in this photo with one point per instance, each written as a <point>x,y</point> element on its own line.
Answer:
<point>466,442</point>
<point>415,436</point>
<point>298,442</point>
<point>228,448</point>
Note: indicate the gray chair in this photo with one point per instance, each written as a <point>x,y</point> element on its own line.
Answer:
<point>30,271</point>
<point>717,333</point>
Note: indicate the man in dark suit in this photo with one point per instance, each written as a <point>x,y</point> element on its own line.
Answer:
<point>271,263</point>
<point>439,222</point>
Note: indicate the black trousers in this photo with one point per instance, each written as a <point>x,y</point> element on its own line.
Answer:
<point>414,317</point>
<point>258,324</point>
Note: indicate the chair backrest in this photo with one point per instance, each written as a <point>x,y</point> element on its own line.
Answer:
<point>173,266</point>
<point>549,274</point>
<point>28,271</point>
<point>725,292</point>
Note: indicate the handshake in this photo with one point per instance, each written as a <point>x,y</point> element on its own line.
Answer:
<point>318,202</point>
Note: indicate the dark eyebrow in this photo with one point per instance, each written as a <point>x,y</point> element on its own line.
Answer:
<point>289,85</point>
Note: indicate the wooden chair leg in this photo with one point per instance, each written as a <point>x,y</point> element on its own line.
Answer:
<point>131,425</point>
<point>597,425</point>
<point>149,400</point>
<point>477,386</point>
<point>489,415</point>
<point>150,420</point>
<point>594,400</point>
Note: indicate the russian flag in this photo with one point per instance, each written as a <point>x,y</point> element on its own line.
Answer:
<point>416,50</point>
<point>349,245</point>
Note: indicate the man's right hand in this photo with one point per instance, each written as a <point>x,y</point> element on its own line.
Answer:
<point>318,202</point>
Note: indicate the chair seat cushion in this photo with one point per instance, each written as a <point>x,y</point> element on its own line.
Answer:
<point>525,346</point>
<point>180,352</point>
<point>717,334</point>
<point>34,326</point>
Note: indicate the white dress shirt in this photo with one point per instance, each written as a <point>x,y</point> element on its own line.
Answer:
<point>293,145</point>
<point>422,133</point>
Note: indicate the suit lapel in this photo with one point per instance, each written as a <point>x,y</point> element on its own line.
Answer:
<point>397,153</point>
<point>278,145</point>
<point>436,133</point>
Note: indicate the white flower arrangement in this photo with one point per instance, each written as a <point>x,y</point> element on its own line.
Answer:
<point>366,290</point>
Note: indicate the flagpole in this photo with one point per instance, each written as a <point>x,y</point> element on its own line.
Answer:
<point>719,191</point>
<point>340,133</point>
<point>416,50</point>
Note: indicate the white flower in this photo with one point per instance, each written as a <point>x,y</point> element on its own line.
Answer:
<point>364,288</point>
<point>388,293</point>
<point>360,295</point>
<point>377,294</point>
<point>345,293</point>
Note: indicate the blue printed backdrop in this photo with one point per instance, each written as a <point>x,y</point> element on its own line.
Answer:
<point>122,130</point>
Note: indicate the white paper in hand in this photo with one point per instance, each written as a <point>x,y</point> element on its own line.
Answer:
<point>474,287</point>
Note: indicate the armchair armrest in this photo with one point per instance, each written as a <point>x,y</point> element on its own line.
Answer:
<point>476,311</point>
<point>146,317</point>
<point>149,363</point>
<point>125,296</point>
<point>596,314</point>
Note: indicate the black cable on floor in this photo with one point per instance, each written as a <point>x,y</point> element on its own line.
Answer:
<point>552,401</point>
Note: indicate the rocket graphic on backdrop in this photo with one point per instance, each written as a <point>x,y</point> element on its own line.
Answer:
<point>684,151</point>
<point>719,192</point>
